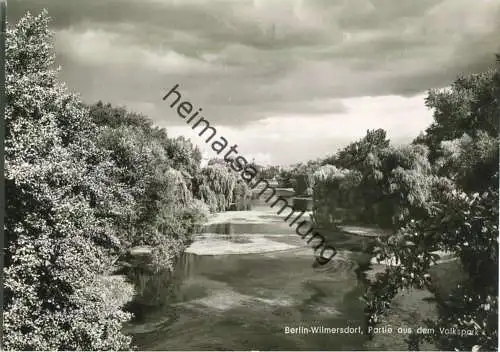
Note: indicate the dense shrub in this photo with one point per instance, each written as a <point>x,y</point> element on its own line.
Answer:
<point>83,184</point>
<point>299,177</point>
<point>56,216</point>
<point>382,189</point>
<point>456,211</point>
<point>334,190</point>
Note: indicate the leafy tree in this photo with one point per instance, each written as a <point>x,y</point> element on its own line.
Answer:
<point>108,115</point>
<point>269,172</point>
<point>390,183</point>
<point>178,152</point>
<point>83,184</point>
<point>472,162</point>
<point>156,170</point>
<point>461,216</point>
<point>364,156</point>
<point>299,177</point>
<point>221,187</point>
<point>406,184</point>
<point>470,106</point>
<point>184,155</point>
<point>217,161</point>
<point>215,185</point>
<point>334,190</point>
<point>354,155</point>
<point>439,193</point>
<point>55,227</point>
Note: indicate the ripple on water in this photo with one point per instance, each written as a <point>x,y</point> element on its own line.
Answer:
<point>241,302</point>
<point>150,327</point>
<point>217,246</point>
<point>222,300</point>
<point>228,299</point>
<point>325,311</point>
<point>245,217</point>
<point>277,302</point>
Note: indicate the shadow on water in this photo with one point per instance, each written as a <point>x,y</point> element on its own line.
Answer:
<point>245,301</point>
<point>229,228</point>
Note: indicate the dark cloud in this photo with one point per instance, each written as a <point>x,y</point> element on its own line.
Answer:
<point>245,60</point>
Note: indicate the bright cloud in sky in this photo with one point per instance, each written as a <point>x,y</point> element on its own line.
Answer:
<point>285,80</point>
<point>296,135</point>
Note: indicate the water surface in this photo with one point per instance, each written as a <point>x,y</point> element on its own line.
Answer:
<point>245,301</point>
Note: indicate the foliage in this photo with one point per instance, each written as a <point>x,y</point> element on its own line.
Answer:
<point>269,172</point>
<point>217,161</point>
<point>406,184</point>
<point>83,184</point>
<point>468,226</point>
<point>178,152</point>
<point>286,178</point>
<point>56,222</point>
<point>390,182</point>
<point>366,158</point>
<point>469,106</point>
<point>299,177</point>
<point>158,172</point>
<point>439,193</point>
<point>333,190</point>
<point>215,186</point>
<point>457,212</point>
<point>242,195</point>
<point>472,162</point>
<point>354,156</point>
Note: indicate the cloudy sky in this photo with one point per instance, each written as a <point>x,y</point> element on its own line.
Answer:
<point>285,80</point>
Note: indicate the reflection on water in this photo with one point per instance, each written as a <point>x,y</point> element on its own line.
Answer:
<point>230,228</point>
<point>245,301</point>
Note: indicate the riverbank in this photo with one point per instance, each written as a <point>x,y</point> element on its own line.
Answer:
<point>376,266</point>
<point>412,308</point>
<point>409,309</point>
<point>245,267</point>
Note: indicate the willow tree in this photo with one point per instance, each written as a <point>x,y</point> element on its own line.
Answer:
<point>364,156</point>
<point>334,190</point>
<point>215,185</point>
<point>406,182</point>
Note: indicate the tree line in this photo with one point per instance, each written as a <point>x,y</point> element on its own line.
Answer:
<point>439,192</point>
<point>84,183</point>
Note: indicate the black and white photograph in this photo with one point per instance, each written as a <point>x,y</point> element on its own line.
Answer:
<point>250,175</point>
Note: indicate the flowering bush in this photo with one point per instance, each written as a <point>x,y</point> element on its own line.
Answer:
<point>55,223</point>
<point>82,184</point>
